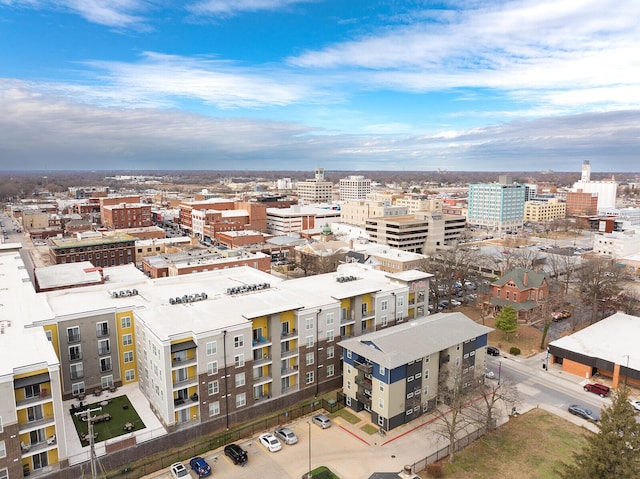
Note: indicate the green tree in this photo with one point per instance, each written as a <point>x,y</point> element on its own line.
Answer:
<point>507,321</point>
<point>614,452</point>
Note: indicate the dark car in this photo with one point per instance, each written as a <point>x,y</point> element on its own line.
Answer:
<point>599,389</point>
<point>583,412</point>
<point>200,467</point>
<point>236,454</point>
<point>493,351</point>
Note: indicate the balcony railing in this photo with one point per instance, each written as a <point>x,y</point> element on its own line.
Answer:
<point>185,381</point>
<point>73,338</point>
<point>364,367</point>
<point>103,351</point>
<point>43,397</point>
<point>288,335</point>
<point>288,371</point>
<point>364,399</point>
<point>288,354</point>
<point>36,423</point>
<point>102,332</point>
<point>178,362</point>
<point>266,359</point>
<point>261,342</point>
<point>365,383</point>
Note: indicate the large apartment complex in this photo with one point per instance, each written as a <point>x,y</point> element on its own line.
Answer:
<point>216,346</point>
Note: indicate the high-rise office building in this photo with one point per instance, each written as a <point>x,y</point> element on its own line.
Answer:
<point>497,206</point>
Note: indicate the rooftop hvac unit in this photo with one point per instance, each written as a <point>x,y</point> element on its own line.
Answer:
<point>204,295</point>
<point>172,301</point>
<point>134,291</point>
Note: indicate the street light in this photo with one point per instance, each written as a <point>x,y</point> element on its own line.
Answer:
<point>499,370</point>
<point>309,476</point>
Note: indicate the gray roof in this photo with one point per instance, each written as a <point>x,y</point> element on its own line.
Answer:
<point>403,343</point>
<point>614,339</point>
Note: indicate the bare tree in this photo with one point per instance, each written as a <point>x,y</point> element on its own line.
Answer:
<point>494,394</point>
<point>598,280</point>
<point>455,390</point>
<point>563,266</point>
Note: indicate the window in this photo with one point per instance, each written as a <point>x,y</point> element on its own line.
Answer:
<point>125,322</point>
<point>330,370</point>
<point>382,370</point>
<point>330,352</point>
<point>76,370</point>
<point>212,368</point>
<point>309,377</point>
<point>239,360</point>
<point>105,364</point>
<point>212,348</point>
<point>400,301</point>
<point>106,381</point>
<point>73,334</point>
<point>102,329</point>
<point>349,354</point>
<point>4,474</point>
<point>348,385</point>
<point>1,426</point>
<point>127,339</point>
<point>399,316</point>
<point>241,400</point>
<point>104,346</point>
<point>381,403</point>
<point>77,388</point>
<point>309,342</point>
<point>329,319</point>
<point>384,305</point>
<point>213,388</point>
<point>383,321</point>
<point>3,450</point>
<point>49,335</point>
<point>426,374</point>
<point>214,408</point>
<point>240,380</point>
<point>75,353</point>
<point>308,323</point>
<point>309,359</point>
<point>330,335</point>
<point>381,387</point>
<point>129,375</point>
<point>128,356</point>
<point>238,341</point>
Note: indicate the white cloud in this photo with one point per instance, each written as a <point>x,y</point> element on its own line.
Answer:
<point>524,46</point>
<point>111,13</point>
<point>232,7</point>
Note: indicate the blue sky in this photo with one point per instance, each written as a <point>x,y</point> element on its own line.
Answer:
<point>470,85</point>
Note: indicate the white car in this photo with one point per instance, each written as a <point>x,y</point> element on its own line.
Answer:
<point>269,441</point>
<point>178,470</point>
<point>489,374</point>
<point>635,403</point>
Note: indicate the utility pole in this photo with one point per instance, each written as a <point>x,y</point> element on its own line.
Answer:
<point>92,452</point>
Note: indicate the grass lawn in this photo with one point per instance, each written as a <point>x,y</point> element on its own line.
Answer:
<point>347,416</point>
<point>531,446</point>
<point>323,472</point>
<point>369,429</point>
<point>114,427</point>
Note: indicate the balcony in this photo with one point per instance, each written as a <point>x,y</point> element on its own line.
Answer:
<point>103,351</point>
<point>258,381</point>
<point>102,332</point>
<point>288,335</point>
<point>347,319</point>
<point>366,368</point>
<point>364,399</point>
<point>37,447</point>
<point>36,424</point>
<point>288,371</point>
<point>73,338</point>
<point>182,383</point>
<point>183,361</point>
<point>30,401</point>
<point>365,383</point>
<point>266,359</point>
<point>368,315</point>
<point>261,342</point>
<point>289,354</point>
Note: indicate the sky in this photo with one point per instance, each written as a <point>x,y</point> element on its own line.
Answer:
<point>398,85</point>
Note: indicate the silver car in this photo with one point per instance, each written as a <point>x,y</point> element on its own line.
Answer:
<point>286,435</point>
<point>321,420</point>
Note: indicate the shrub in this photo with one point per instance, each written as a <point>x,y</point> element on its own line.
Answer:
<point>435,470</point>
<point>514,350</point>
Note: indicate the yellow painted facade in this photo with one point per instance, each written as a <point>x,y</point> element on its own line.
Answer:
<point>124,328</point>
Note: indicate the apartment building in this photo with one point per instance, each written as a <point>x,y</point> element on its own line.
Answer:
<point>617,245</point>
<point>539,211</point>
<point>100,249</point>
<point>126,215</point>
<point>497,206</point>
<point>205,218</point>
<point>32,436</point>
<point>395,374</point>
<point>316,190</point>
<point>353,188</point>
<point>243,336</point>
<point>415,203</point>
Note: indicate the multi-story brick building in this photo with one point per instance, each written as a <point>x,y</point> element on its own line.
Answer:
<point>126,215</point>
<point>101,249</point>
<point>581,203</point>
<point>527,291</point>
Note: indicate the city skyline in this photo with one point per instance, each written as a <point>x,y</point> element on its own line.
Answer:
<point>295,84</point>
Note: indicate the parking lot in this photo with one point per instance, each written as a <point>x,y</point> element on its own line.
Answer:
<point>344,448</point>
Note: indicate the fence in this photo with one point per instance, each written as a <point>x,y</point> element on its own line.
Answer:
<point>444,452</point>
<point>200,445</point>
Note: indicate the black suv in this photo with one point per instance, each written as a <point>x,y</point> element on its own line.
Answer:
<point>236,454</point>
